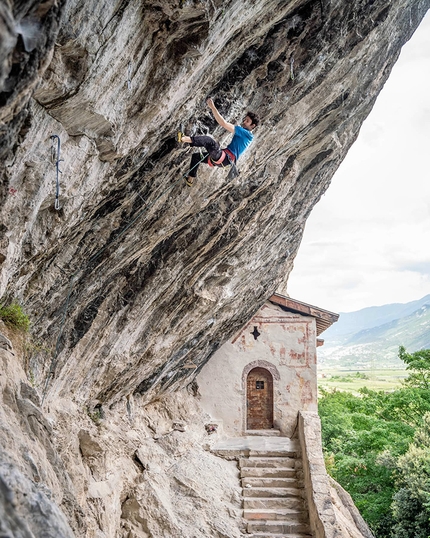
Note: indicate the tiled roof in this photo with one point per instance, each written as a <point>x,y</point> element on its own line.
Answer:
<point>324,319</point>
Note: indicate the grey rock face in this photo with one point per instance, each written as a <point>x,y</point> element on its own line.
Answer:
<point>37,497</point>
<point>129,471</point>
<point>25,509</point>
<point>28,31</point>
<point>137,277</point>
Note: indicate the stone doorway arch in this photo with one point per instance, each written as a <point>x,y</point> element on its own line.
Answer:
<point>259,399</point>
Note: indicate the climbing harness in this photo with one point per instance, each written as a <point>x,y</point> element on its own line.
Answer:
<point>230,155</point>
<point>233,172</point>
<point>56,153</point>
<point>213,163</point>
<point>224,153</point>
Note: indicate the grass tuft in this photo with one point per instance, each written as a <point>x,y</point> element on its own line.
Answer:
<point>14,317</point>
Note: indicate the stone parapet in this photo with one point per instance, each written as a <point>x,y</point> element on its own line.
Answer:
<point>317,488</point>
<point>332,512</point>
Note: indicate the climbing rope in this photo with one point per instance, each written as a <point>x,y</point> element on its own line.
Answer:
<point>54,360</point>
<point>196,165</point>
<point>147,206</point>
<point>129,76</point>
<point>56,152</point>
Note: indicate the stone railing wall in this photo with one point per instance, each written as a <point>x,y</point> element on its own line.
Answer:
<point>332,512</point>
<point>317,486</point>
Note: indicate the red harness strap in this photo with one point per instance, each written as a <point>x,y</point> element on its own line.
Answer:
<point>219,161</point>
<point>230,155</point>
<point>224,152</point>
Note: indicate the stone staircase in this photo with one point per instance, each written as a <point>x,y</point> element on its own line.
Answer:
<point>273,495</point>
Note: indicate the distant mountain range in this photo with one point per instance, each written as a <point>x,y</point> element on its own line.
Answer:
<point>371,337</point>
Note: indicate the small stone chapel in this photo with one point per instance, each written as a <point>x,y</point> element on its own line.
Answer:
<point>256,383</point>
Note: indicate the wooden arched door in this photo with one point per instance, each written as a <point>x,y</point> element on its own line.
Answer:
<point>259,400</point>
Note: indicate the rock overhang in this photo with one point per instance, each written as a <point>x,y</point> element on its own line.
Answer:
<point>140,276</point>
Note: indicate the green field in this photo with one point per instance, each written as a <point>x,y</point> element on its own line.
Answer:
<point>352,380</point>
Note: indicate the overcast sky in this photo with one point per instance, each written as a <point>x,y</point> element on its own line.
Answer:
<point>367,242</point>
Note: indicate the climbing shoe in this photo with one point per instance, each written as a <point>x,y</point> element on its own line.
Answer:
<point>180,135</point>
<point>189,180</point>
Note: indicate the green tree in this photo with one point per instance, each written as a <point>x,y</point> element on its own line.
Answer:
<point>411,504</point>
<point>362,442</point>
<point>377,446</point>
<point>410,517</point>
<point>418,363</point>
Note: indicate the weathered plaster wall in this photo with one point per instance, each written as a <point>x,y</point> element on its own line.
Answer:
<point>286,347</point>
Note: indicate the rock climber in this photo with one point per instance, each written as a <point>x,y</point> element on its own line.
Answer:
<point>216,156</point>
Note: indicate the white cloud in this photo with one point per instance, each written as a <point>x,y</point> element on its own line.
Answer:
<point>367,240</point>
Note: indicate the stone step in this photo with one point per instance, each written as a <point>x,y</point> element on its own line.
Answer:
<point>289,535</point>
<point>268,463</point>
<point>271,472</point>
<point>270,482</point>
<point>278,527</point>
<point>273,514</point>
<point>271,492</point>
<point>273,502</point>
<point>290,452</point>
<point>273,495</point>
<point>264,433</point>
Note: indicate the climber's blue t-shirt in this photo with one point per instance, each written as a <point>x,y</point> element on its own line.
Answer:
<point>241,140</point>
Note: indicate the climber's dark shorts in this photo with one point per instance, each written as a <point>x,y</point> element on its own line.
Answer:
<point>214,153</point>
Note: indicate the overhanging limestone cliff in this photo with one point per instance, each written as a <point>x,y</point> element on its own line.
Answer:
<point>137,276</point>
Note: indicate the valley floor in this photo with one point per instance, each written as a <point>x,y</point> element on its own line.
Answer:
<point>351,380</point>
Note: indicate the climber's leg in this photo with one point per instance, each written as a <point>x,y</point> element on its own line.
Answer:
<point>196,160</point>
<point>207,142</point>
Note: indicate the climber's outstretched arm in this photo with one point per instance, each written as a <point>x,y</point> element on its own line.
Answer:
<point>220,120</point>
